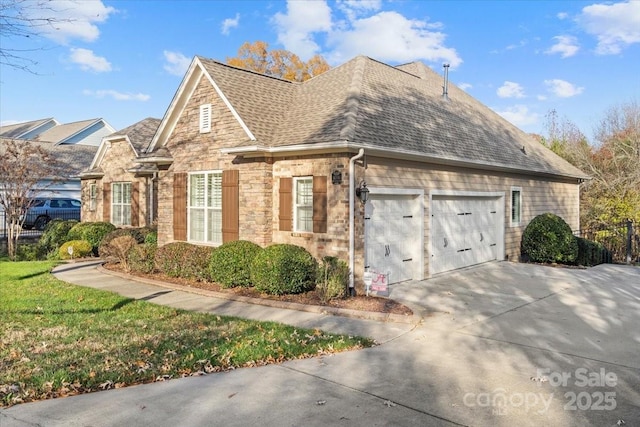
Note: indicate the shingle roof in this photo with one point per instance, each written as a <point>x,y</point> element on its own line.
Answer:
<point>15,130</point>
<point>367,103</point>
<point>70,159</point>
<point>64,131</point>
<point>140,133</point>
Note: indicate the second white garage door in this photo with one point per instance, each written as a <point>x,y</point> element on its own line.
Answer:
<point>465,230</point>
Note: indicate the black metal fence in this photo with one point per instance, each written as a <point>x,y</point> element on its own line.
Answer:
<point>620,241</point>
<point>32,231</point>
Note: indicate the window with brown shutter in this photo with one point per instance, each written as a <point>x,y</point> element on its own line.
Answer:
<point>319,204</point>
<point>230,206</point>
<point>286,206</point>
<point>180,206</point>
<point>106,201</point>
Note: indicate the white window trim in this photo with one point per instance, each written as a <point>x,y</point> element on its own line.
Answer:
<point>295,203</point>
<point>189,207</point>
<point>120,206</point>
<point>205,118</point>
<point>511,219</point>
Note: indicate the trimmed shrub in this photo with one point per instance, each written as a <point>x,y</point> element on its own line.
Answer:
<point>30,252</point>
<point>141,258</point>
<point>591,253</point>
<point>230,263</point>
<point>151,237</point>
<point>92,232</point>
<point>182,259</point>
<point>120,247</point>
<point>283,269</point>
<point>548,238</point>
<point>105,249</point>
<point>55,234</point>
<point>81,249</point>
<point>332,279</point>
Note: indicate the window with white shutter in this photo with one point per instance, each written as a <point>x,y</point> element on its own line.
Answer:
<point>516,206</point>
<point>205,118</point>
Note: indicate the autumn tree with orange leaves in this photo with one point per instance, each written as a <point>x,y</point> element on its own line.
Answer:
<point>280,63</point>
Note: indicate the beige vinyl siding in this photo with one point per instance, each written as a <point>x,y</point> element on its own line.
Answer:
<point>539,195</point>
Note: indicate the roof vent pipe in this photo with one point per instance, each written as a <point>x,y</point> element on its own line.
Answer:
<point>445,88</point>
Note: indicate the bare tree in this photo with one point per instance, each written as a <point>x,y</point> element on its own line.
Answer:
<point>24,19</point>
<point>26,169</point>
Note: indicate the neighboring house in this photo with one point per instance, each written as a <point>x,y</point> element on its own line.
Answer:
<point>115,188</point>
<point>241,155</point>
<point>85,132</point>
<point>71,160</point>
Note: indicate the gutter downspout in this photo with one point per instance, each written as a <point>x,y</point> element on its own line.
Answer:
<point>352,231</point>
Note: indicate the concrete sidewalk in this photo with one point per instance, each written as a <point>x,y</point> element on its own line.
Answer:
<point>379,326</point>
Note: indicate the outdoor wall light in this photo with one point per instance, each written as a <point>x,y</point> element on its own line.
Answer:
<point>362,192</point>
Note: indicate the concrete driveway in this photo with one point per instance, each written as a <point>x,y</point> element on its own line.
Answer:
<point>500,344</point>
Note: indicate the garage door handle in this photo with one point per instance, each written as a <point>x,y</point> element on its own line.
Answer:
<point>481,237</point>
<point>387,250</point>
<point>408,259</point>
<point>446,243</point>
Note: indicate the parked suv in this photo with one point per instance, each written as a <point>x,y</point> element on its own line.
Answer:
<point>44,210</point>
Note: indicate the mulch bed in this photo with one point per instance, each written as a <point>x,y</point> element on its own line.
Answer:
<point>359,302</point>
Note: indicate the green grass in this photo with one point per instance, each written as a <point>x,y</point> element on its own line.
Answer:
<point>58,339</point>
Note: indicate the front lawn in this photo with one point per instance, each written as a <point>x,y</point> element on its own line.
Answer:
<point>58,339</point>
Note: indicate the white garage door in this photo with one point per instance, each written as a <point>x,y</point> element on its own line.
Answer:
<point>393,236</point>
<point>464,231</point>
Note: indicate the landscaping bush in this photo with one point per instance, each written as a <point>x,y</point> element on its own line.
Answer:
<point>181,259</point>
<point>591,253</point>
<point>283,269</point>
<point>55,234</point>
<point>105,249</point>
<point>548,238</point>
<point>151,237</point>
<point>30,252</point>
<point>332,279</point>
<point>81,249</point>
<point>92,232</point>
<point>230,264</point>
<point>120,247</point>
<point>141,258</point>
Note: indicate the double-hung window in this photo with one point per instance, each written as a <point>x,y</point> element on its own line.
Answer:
<point>303,204</point>
<point>516,206</point>
<point>205,207</point>
<point>121,203</point>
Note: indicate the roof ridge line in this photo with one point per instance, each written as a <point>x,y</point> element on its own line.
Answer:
<point>353,100</point>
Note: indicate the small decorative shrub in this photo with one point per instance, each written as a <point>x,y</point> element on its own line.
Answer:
<point>120,247</point>
<point>141,258</point>
<point>105,249</point>
<point>92,232</point>
<point>283,269</point>
<point>230,263</point>
<point>332,279</point>
<point>591,253</point>
<point>548,238</point>
<point>182,259</point>
<point>81,249</point>
<point>151,237</point>
<point>55,234</point>
<point>30,252</point>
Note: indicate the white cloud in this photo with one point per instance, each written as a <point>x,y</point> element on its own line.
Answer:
<point>230,23</point>
<point>465,86</point>
<point>72,19</point>
<point>566,46</point>
<point>562,15</point>
<point>397,38</point>
<point>616,26</point>
<point>541,97</point>
<point>520,115</point>
<point>118,96</point>
<point>562,88</point>
<point>510,90</point>
<point>177,64</point>
<point>296,27</point>
<point>89,61</point>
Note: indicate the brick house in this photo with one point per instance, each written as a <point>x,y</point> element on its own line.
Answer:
<point>240,155</point>
<point>115,188</point>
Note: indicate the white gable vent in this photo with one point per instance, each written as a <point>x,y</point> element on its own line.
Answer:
<point>205,118</point>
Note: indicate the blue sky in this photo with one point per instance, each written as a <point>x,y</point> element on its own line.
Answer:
<point>124,60</point>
